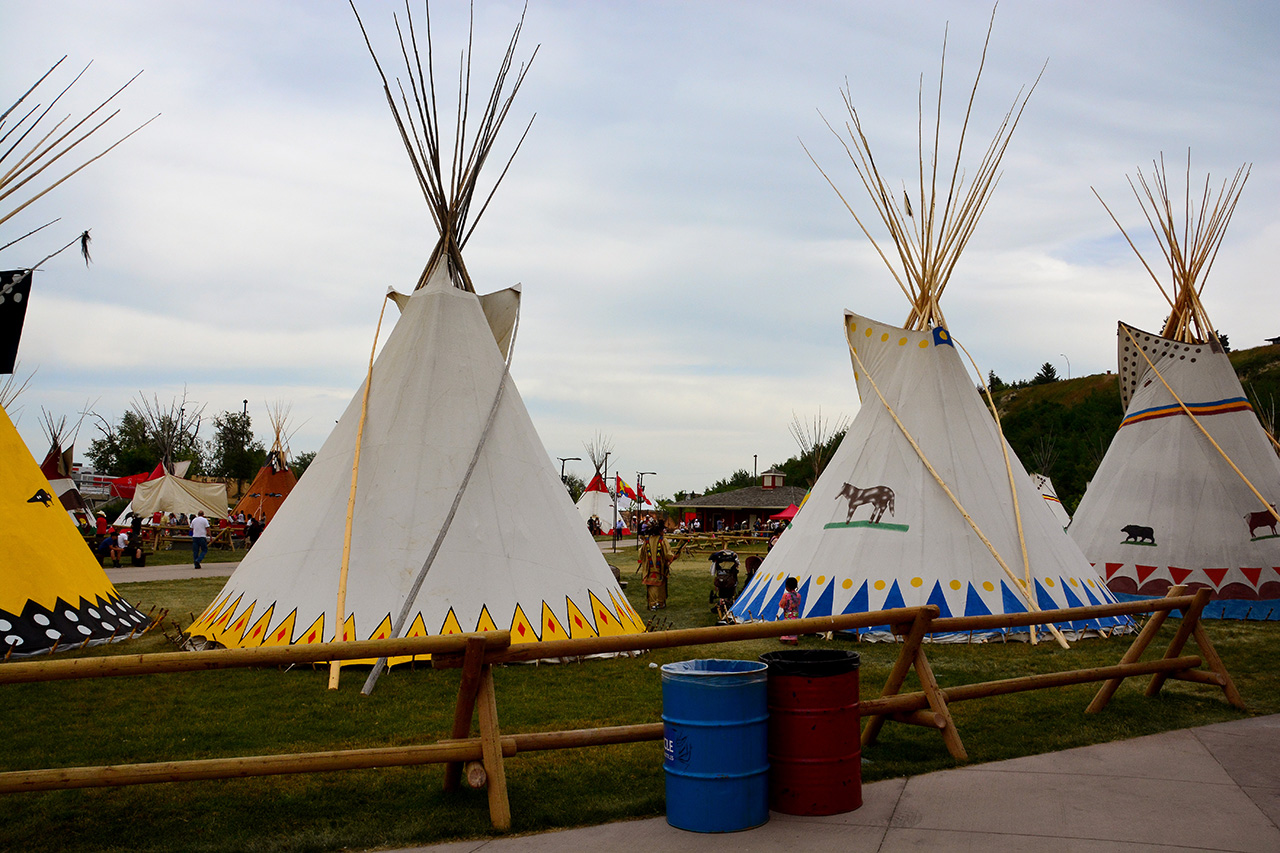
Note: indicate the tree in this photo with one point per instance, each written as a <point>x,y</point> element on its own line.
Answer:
<point>233,451</point>
<point>574,484</point>
<point>740,480</point>
<point>815,440</point>
<point>1222,339</point>
<point>123,448</point>
<point>995,383</point>
<point>1046,375</point>
<point>300,462</point>
<point>148,434</point>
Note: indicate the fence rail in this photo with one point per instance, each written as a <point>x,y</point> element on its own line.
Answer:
<point>476,654</point>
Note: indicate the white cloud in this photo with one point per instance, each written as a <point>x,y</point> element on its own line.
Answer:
<point>684,264</point>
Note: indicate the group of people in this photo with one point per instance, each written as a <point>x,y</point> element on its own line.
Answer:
<point>130,541</point>
<point>772,525</point>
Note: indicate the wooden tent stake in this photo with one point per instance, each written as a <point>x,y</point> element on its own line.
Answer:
<point>339,629</point>
<point>1026,593</point>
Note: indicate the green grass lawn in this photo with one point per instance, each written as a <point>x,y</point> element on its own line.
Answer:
<point>248,712</point>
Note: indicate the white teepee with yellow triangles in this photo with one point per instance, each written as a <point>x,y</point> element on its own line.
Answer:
<point>459,521</point>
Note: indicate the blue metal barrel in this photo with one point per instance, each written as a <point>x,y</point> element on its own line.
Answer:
<point>716,744</point>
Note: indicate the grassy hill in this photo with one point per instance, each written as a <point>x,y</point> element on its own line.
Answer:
<point>1063,428</point>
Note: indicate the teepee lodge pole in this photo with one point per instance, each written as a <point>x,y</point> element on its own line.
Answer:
<point>1190,251</point>
<point>928,241</point>
<point>417,117</point>
<point>1266,505</point>
<point>339,629</point>
<point>1017,582</point>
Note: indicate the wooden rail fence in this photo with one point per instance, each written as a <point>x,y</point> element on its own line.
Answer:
<point>476,654</point>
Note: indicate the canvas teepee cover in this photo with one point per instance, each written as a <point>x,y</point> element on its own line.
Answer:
<point>177,495</point>
<point>596,501</point>
<point>274,480</point>
<point>57,466</point>
<point>879,530</point>
<point>52,591</point>
<point>460,521</point>
<point>1045,487</point>
<point>1186,493</point>
<point>516,555</point>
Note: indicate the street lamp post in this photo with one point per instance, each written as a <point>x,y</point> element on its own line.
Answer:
<point>640,475</point>
<point>1064,356</point>
<point>563,460</point>
<point>246,407</point>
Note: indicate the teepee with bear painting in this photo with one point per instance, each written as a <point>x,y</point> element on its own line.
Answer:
<point>1187,491</point>
<point>433,507</point>
<point>924,502</point>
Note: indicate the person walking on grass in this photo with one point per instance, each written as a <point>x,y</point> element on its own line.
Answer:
<point>199,537</point>
<point>789,608</point>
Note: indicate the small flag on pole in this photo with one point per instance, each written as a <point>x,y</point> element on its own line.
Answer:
<point>624,489</point>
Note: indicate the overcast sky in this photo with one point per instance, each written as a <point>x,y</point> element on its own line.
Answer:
<point>684,264</point>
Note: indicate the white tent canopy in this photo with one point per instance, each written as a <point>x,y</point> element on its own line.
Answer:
<point>174,494</point>
<point>1188,489</point>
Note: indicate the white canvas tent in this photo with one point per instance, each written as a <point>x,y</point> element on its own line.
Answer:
<point>174,494</point>
<point>459,521</point>
<point>923,502</point>
<point>1045,487</point>
<point>1186,493</point>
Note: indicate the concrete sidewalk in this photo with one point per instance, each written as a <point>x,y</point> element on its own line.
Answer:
<point>1210,788</point>
<point>129,574</point>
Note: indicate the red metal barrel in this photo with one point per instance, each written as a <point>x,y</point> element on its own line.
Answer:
<point>815,753</point>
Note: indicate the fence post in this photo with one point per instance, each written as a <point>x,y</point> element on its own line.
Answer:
<point>473,660</point>
<point>1140,643</point>
<point>919,627</point>
<point>491,749</point>
<point>1190,619</point>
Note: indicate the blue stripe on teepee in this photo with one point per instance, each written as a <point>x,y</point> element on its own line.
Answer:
<point>769,609</point>
<point>941,336</point>
<point>1043,598</point>
<point>860,603</point>
<point>1073,601</point>
<point>1010,600</point>
<point>804,592</point>
<point>748,604</point>
<point>894,598</point>
<point>1106,621</point>
<point>974,605</point>
<point>940,599</point>
<point>822,604</point>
